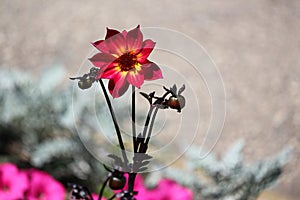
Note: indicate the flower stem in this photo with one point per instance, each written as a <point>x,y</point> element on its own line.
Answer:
<point>112,197</point>
<point>131,180</point>
<point>132,176</point>
<point>134,140</point>
<point>151,126</point>
<point>142,146</point>
<point>115,122</point>
<point>102,188</point>
<point>152,122</point>
<point>147,121</point>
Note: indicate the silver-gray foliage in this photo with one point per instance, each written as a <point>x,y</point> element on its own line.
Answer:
<point>226,179</point>
<point>37,126</point>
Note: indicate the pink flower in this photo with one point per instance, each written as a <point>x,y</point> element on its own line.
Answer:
<point>13,183</point>
<point>44,187</point>
<point>165,190</point>
<point>170,190</point>
<point>124,60</point>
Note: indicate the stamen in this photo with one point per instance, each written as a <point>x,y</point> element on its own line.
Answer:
<point>127,61</point>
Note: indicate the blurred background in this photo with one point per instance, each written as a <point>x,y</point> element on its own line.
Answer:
<point>255,44</point>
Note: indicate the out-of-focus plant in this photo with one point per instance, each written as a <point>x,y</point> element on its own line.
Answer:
<point>28,184</point>
<point>165,189</point>
<point>226,179</point>
<point>37,125</point>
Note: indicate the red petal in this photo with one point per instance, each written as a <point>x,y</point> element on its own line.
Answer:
<point>102,59</point>
<point>116,44</point>
<point>101,46</point>
<point>147,48</point>
<point>151,71</point>
<point>118,85</point>
<point>135,78</point>
<point>134,39</point>
<point>110,32</point>
<point>110,72</point>
<point>124,33</point>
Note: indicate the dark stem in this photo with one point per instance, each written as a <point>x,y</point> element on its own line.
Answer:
<point>102,188</point>
<point>131,180</point>
<point>147,121</point>
<point>132,176</point>
<point>152,122</point>
<point>112,197</point>
<point>142,145</point>
<point>134,140</point>
<point>151,126</point>
<point>115,122</point>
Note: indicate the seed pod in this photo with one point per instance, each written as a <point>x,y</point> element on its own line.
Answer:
<point>176,102</point>
<point>117,182</point>
<point>85,83</point>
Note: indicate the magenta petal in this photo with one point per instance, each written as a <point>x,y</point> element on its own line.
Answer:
<point>101,46</point>
<point>110,72</point>
<point>147,48</point>
<point>14,180</point>
<point>95,196</point>
<point>135,78</point>
<point>124,33</point>
<point>118,85</point>
<point>134,40</point>
<point>42,184</point>
<point>110,32</point>
<point>116,44</point>
<point>151,71</point>
<point>102,59</point>
<point>176,191</point>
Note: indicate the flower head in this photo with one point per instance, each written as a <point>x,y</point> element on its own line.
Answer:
<point>124,60</point>
<point>44,187</point>
<point>13,182</point>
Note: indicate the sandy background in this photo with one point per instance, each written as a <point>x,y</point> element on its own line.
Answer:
<point>255,44</point>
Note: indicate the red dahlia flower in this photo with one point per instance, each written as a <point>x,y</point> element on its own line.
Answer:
<point>13,183</point>
<point>123,60</point>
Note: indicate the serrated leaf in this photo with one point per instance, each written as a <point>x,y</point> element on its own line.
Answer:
<point>174,89</point>
<point>142,169</point>
<point>142,157</point>
<point>181,89</point>
<point>144,163</point>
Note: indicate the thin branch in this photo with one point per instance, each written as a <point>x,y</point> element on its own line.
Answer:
<point>147,121</point>
<point>112,197</point>
<point>131,180</point>
<point>115,122</point>
<point>134,140</point>
<point>151,126</point>
<point>102,188</point>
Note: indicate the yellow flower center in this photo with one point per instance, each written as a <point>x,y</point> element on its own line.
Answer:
<point>127,61</point>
